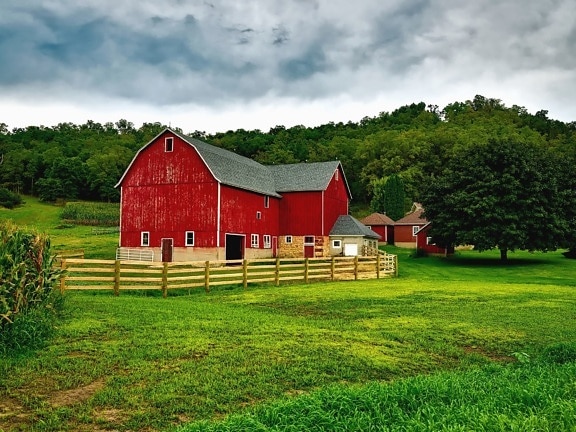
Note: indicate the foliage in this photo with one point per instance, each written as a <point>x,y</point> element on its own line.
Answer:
<point>388,197</point>
<point>90,213</point>
<point>9,199</point>
<point>560,353</point>
<point>503,194</point>
<point>27,277</point>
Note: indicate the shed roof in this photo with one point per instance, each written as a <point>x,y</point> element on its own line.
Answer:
<point>413,218</point>
<point>376,219</point>
<point>347,225</point>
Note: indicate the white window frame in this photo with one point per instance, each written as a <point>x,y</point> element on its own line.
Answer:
<point>258,215</point>
<point>288,239</point>
<point>337,244</point>
<point>266,201</point>
<point>415,229</point>
<point>429,241</point>
<point>254,241</point>
<point>336,175</point>
<point>169,148</point>
<point>267,241</point>
<point>145,235</point>
<point>313,242</point>
<point>186,242</point>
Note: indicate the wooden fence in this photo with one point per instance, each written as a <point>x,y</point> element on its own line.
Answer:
<point>88,274</point>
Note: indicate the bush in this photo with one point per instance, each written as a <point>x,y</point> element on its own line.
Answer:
<point>9,199</point>
<point>28,302</point>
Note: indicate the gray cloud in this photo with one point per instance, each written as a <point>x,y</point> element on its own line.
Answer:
<point>222,51</point>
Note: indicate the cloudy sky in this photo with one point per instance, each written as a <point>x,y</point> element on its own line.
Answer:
<point>216,65</point>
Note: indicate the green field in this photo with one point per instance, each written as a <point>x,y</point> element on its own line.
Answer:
<point>451,344</point>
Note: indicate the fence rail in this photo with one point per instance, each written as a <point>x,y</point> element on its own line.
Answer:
<point>118,275</point>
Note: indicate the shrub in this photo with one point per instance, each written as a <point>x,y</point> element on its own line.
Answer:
<point>28,302</point>
<point>9,199</point>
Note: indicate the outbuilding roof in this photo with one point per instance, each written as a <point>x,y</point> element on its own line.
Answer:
<point>347,225</point>
<point>376,219</point>
<point>414,218</point>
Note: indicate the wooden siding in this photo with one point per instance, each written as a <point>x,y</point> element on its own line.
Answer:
<point>403,234</point>
<point>167,194</point>
<point>239,215</point>
<point>335,201</point>
<point>301,213</point>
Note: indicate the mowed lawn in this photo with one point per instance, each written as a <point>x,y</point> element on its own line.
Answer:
<point>141,362</point>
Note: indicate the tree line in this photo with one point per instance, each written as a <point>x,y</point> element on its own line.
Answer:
<point>415,142</point>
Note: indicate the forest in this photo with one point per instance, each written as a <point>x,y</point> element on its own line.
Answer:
<point>416,142</point>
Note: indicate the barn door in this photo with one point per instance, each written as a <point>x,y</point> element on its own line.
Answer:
<point>167,247</point>
<point>309,247</point>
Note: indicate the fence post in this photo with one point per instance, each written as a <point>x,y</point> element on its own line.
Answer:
<point>332,268</point>
<point>396,265</point>
<point>63,275</point>
<point>164,279</point>
<point>117,278</point>
<point>377,266</point>
<point>306,268</point>
<point>207,276</point>
<point>277,272</point>
<point>356,267</point>
<point>245,273</point>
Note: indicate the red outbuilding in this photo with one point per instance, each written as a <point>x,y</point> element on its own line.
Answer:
<point>405,229</point>
<point>382,225</point>
<point>424,243</point>
<point>184,199</point>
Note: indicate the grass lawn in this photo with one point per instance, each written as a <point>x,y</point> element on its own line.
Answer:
<point>437,348</point>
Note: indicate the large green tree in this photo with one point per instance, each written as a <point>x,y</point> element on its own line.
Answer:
<point>388,197</point>
<point>502,194</point>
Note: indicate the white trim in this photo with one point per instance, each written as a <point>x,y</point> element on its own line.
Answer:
<point>415,229</point>
<point>267,244</point>
<point>142,233</point>
<point>255,244</point>
<point>186,238</point>
<point>334,246</point>
<point>258,215</point>
<point>266,201</point>
<point>171,140</point>
<point>322,213</point>
<point>120,219</point>
<point>288,239</point>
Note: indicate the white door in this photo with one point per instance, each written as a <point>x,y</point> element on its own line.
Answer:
<point>350,249</point>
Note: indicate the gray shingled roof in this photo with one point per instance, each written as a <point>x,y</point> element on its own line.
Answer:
<point>238,171</point>
<point>234,170</point>
<point>303,176</point>
<point>347,225</point>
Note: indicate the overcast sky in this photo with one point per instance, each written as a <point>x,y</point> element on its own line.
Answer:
<point>216,65</point>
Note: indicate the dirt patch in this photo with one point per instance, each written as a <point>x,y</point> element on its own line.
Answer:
<point>12,414</point>
<point>489,355</point>
<point>76,395</point>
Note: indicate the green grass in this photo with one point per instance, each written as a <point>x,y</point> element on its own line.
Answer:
<point>46,218</point>
<point>336,356</point>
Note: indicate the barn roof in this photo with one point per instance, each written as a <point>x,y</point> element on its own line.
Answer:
<point>347,225</point>
<point>238,171</point>
<point>234,170</point>
<point>376,219</point>
<point>413,218</point>
<point>314,176</point>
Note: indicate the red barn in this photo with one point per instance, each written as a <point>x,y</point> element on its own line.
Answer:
<point>382,225</point>
<point>424,243</point>
<point>185,199</point>
<point>405,229</point>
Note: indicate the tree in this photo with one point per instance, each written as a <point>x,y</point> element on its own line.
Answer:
<point>502,195</point>
<point>389,197</point>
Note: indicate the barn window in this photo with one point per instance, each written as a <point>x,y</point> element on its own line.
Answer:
<point>189,238</point>
<point>254,240</point>
<point>336,244</point>
<point>169,144</point>
<point>267,241</point>
<point>258,215</point>
<point>308,240</point>
<point>266,201</point>
<point>336,175</point>
<point>429,241</point>
<point>288,239</point>
<point>144,238</point>
<point>415,229</point>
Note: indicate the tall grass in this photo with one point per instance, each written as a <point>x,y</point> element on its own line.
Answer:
<point>91,213</point>
<point>27,278</point>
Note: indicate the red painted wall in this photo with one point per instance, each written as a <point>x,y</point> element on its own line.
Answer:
<point>335,201</point>
<point>403,234</point>
<point>238,214</point>
<point>380,229</point>
<point>167,194</point>
<point>301,213</point>
<point>429,248</point>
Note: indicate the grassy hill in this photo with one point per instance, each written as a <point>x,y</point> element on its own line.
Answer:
<point>452,344</point>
